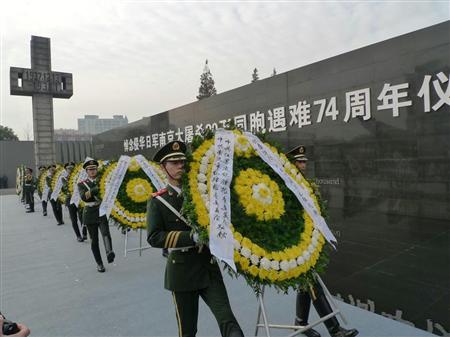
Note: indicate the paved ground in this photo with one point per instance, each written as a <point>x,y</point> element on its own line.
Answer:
<point>49,281</point>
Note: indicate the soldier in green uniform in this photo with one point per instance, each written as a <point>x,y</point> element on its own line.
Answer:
<point>90,194</point>
<point>191,270</point>
<point>29,186</point>
<point>40,193</point>
<point>73,210</point>
<point>316,293</point>
<point>56,205</point>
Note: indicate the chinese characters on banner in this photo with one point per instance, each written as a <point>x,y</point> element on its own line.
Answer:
<point>393,98</point>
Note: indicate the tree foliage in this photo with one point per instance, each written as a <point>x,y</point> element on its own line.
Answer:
<point>207,88</point>
<point>7,133</point>
<point>255,76</point>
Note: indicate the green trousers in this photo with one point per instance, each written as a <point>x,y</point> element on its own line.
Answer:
<point>216,297</point>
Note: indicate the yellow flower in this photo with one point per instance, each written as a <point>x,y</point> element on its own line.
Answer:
<point>253,270</point>
<point>259,195</point>
<point>139,190</point>
<point>134,165</point>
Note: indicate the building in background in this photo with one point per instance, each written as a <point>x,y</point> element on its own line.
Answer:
<point>92,124</point>
<point>62,135</point>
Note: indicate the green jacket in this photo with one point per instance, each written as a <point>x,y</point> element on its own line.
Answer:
<point>185,270</point>
<point>91,210</point>
<point>29,183</point>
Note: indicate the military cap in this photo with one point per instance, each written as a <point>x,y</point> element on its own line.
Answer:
<point>42,167</point>
<point>172,151</point>
<point>50,166</point>
<point>30,169</point>
<point>71,163</point>
<point>298,153</point>
<point>90,163</point>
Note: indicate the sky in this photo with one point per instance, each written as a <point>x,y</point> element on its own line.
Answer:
<point>140,58</point>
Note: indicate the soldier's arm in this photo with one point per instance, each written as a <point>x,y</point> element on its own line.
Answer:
<point>158,236</point>
<point>82,189</point>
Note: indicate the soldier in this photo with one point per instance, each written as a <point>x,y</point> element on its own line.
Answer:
<point>191,271</point>
<point>56,205</point>
<point>73,210</point>
<point>89,193</point>
<point>40,193</point>
<point>30,184</point>
<point>320,302</point>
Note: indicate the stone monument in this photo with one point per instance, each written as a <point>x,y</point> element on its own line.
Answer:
<point>43,85</point>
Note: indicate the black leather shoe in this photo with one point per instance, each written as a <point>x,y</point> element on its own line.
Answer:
<point>29,211</point>
<point>308,333</point>
<point>84,237</point>
<point>100,268</point>
<point>80,239</point>
<point>111,257</point>
<point>341,332</point>
<point>45,214</point>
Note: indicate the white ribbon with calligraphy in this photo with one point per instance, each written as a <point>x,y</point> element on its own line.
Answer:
<point>58,186</point>
<point>75,199</point>
<point>150,172</point>
<point>113,187</point>
<point>299,191</point>
<point>221,241</point>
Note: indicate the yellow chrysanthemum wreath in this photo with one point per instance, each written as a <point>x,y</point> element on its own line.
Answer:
<point>275,240</point>
<point>129,208</point>
<point>58,172</point>
<point>41,184</point>
<point>73,181</point>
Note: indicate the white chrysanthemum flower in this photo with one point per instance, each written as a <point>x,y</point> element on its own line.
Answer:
<point>265,263</point>
<point>314,241</point>
<point>315,233</point>
<point>310,249</point>
<point>237,245</point>
<point>255,259</point>
<point>245,252</point>
<point>202,188</point>
<point>292,264</point>
<point>284,265</point>
<point>210,152</point>
<point>306,255</point>
<point>201,177</point>
<point>275,265</point>
<point>262,193</point>
<point>300,260</point>
<point>203,169</point>
<point>205,160</point>
<point>294,172</point>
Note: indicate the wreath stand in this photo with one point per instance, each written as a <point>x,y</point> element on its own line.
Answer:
<point>262,313</point>
<point>140,248</point>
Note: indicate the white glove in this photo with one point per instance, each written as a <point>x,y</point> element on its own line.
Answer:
<point>195,237</point>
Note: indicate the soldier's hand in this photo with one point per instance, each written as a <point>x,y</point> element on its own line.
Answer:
<point>87,194</point>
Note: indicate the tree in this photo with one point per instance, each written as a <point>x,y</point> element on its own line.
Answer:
<point>274,72</point>
<point>207,88</point>
<point>255,76</point>
<point>7,133</point>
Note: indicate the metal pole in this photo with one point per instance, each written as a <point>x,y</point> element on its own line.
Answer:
<point>263,311</point>
<point>140,241</point>
<point>126,243</point>
<point>331,299</point>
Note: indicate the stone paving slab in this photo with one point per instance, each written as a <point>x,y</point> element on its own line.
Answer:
<point>49,281</point>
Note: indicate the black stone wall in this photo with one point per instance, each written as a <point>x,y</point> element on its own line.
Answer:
<point>386,179</point>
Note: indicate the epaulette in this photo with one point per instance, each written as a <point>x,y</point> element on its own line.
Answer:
<point>160,192</point>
